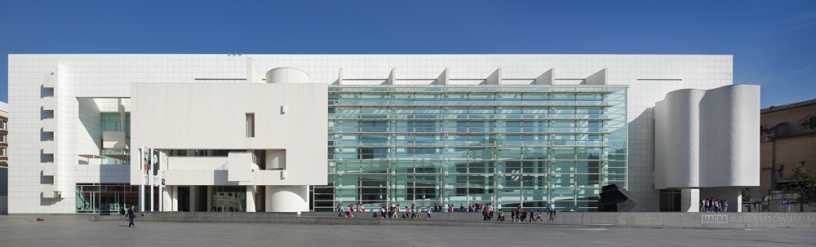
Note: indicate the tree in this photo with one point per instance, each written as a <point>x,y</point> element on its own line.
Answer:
<point>802,182</point>
<point>746,194</point>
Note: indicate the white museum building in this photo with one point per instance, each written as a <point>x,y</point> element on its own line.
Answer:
<point>94,133</point>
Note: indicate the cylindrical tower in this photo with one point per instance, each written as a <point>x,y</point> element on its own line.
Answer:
<point>286,75</point>
<point>287,198</point>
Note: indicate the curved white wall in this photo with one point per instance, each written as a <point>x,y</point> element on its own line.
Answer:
<point>286,75</point>
<point>707,138</point>
<point>287,198</point>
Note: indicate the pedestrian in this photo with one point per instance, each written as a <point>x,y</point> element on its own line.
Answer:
<point>360,207</point>
<point>351,209</point>
<point>725,206</point>
<point>462,207</point>
<point>532,216</point>
<point>383,211</point>
<point>501,216</point>
<point>551,212</point>
<point>428,216</point>
<point>538,216</point>
<point>413,212</point>
<point>407,212</point>
<point>131,214</point>
<point>122,211</point>
<point>702,205</point>
<point>711,204</point>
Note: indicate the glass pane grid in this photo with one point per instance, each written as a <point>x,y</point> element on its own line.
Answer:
<point>511,146</point>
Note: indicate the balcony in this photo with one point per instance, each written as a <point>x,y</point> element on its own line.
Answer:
<point>48,103</point>
<point>115,140</point>
<point>48,125</point>
<point>49,192</point>
<point>240,166</point>
<point>49,81</point>
<point>48,169</point>
<point>47,147</point>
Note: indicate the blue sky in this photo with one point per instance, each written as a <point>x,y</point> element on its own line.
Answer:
<point>773,42</point>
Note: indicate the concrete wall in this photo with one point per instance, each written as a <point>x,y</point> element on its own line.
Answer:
<point>213,116</point>
<point>88,131</point>
<point>649,78</point>
<point>580,220</point>
<point>706,139</point>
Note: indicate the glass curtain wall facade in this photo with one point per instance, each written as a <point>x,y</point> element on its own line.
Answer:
<point>525,145</point>
<point>106,198</point>
<point>110,122</point>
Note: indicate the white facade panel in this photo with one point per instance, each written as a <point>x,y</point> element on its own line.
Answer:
<point>211,124</point>
<point>213,116</point>
<point>706,139</point>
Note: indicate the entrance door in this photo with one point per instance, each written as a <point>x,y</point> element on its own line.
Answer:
<point>184,199</point>
<point>670,200</point>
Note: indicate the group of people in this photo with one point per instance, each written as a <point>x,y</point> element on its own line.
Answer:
<point>392,211</point>
<point>414,212</point>
<point>713,205</point>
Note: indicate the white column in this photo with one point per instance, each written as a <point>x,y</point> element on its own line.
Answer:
<point>167,199</point>
<point>287,198</point>
<point>250,198</point>
<point>151,198</point>
<point>690,200</point>
<point>141,198</point>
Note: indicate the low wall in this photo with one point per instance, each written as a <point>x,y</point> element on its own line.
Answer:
<point>566,219</point>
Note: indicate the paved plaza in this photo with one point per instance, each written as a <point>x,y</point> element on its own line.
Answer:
<point>78,231</point>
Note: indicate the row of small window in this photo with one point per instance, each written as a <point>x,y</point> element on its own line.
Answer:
<point>532,168</point>
<point>478,153</point>
<point>530,88</point>
<point>338,139</point>
<point>477,99</point>
<point>474,195</point>
<point>501,126</point>
<point>477,112</point>
<point>526,166</point>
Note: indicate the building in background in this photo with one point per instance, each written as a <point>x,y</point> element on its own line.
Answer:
<point>3,157</point>
<point>304,132</point>
<point>788,135</point>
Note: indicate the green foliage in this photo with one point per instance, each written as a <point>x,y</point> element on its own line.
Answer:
<point>746,194</point>
<point>803,183</point>
<point>810,123</point>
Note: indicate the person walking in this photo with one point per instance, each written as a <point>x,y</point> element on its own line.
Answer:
<point>383,211</point>
<point>428,215</point>
<point>131,214</point>
<point>725,206</point>
<point>551,212</point>
<point>538,216</point>
<point>501,216</point>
